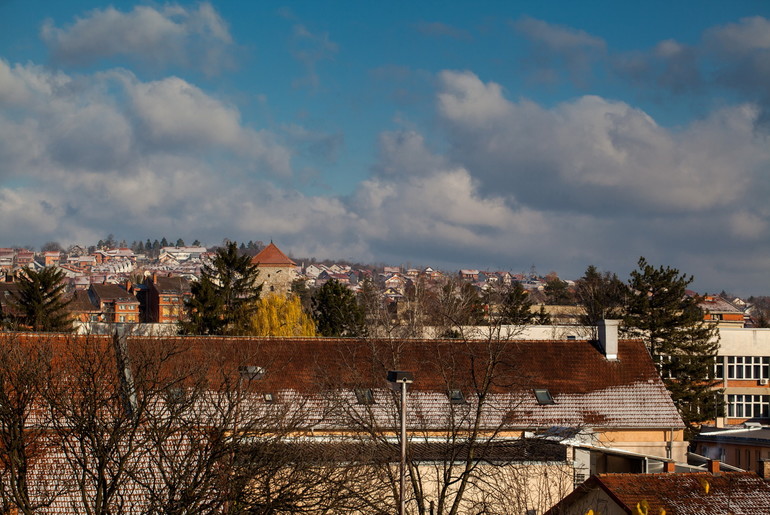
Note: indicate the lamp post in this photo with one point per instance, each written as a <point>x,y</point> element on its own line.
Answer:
<point>398,380</point>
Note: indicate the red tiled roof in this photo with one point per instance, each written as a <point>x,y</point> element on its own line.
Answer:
<point>588,390</point>
<point>737,493</point>
<point>272,256</point>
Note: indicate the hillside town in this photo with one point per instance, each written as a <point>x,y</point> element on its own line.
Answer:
<point>493,427</point>
<point>120,285</point>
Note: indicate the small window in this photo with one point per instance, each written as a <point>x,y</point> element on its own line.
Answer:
<point>364,396</point>
<point>268,398</point>
<point>543,396</point>
<point>456,397</point>
<point>251,372</point>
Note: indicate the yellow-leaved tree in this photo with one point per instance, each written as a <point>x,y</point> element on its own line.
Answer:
<point>282,316</point>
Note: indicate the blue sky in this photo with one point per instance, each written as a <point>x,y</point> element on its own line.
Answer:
<point>494,135</point>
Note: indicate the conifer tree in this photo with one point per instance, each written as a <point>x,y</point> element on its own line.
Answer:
<point>602,296</point>
<point>681,344</point>
<point>516,306</point>
<point>40,301</point>
<point>336,311</point>
<point>225,298</point>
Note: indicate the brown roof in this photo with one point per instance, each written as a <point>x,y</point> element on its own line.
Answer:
<point>106,292</point>
<point>587,389</point>
<point>272,256</point>
<point>178,285</point>
<point>82,302</point>
<point>737,493</point>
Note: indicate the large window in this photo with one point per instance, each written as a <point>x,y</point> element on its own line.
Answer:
<point>748,367</point>
<point>748,406</point>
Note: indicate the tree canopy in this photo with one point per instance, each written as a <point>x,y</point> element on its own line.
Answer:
<point>681,344</point>
<point>226,297</point>
<point>40,301</point>
<point>282,316</point>
<point>336,311</point>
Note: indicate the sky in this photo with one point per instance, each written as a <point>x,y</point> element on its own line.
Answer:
<point>454,134</point>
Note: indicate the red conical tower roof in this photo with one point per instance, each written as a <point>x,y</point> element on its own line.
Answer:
<point>272,256</point>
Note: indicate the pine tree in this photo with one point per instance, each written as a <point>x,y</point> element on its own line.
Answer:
<point>180,242</point>
<point>516,306</point>
<point>282,316</point>
<point>163,242</point>
<point>40,301</point>
<point>336,311</point>
<point>225,298</point>
<point>602,296</point>
<point>681,344</point>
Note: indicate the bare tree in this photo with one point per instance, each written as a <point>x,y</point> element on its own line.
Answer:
<point>24,365</point>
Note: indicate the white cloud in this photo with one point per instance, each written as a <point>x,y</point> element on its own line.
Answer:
<point>171,35</point>
<point>596,155</point>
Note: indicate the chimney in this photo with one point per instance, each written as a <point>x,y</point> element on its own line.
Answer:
<point>764,468</point>
<point>713,466</point>
<point>669,467</point>
<point>608,338</point>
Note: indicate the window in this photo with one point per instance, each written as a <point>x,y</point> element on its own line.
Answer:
<point>122,318</point>
<point>719,368</point>
<point>269,398</point>
<point>543,396</point>
<point>748,406</point>
<point>364,396</point>
<point>456,397</point>
<point>251,372</point>
<point>748,367</point>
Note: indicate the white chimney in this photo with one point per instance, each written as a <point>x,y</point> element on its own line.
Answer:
<point>608,338</point>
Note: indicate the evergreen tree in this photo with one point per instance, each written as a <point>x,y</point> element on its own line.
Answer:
<point>681,344</point>
<point>557,291</point>
<point>602,296</point>
<point>40,301</point>
<point>180,242</point>
<point>516,306</point>
<point>148,245</point>
<point>196,243</point>
<point>225,298</point>
<point>336,311</point>
<point>163,242</point>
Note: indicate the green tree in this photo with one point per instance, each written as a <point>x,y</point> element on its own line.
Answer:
<point>180,242</point>
<point>601,295</point>
<point>226,297</point>
<point>557,291</point>
<point>40,301</point>
<point>515,306</point>
<point>336,311</point>
<point>682,345</point>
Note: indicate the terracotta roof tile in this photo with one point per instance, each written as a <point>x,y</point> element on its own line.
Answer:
<point>738,493</point>
<point>272,256</point>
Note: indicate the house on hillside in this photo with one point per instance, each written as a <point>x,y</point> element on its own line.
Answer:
<point>165,298</point>
<point>721,313</point>
<point>115,303</point>
<point>276,270</point>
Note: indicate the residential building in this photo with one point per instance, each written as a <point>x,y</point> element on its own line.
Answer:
<point>701,493</point>
<point>165,298</point>
<point>115,303</point>
<point>746,447</point>
<point>720,312</point>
